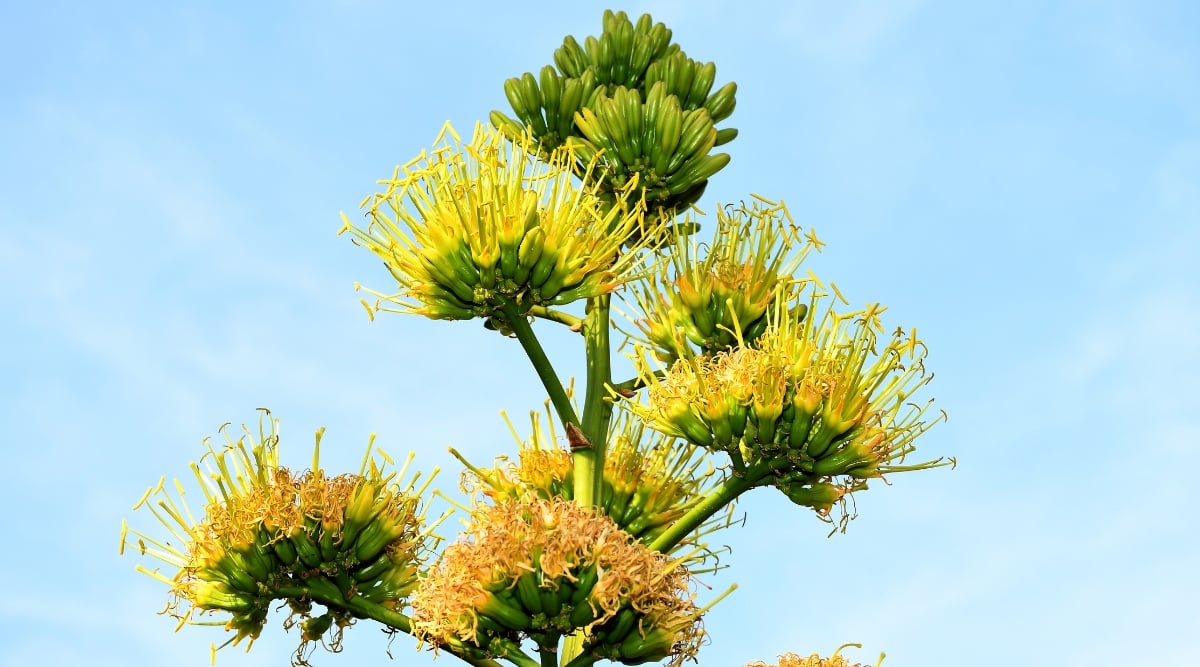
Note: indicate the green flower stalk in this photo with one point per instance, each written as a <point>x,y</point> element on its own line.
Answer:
<point>650,480</point>
<point>713,296</point>
<point>470,228</point>
<point>268,534</point>
<point>816,405</point>
<point>547,568</point>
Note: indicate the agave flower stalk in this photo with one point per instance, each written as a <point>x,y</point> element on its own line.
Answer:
<point>745,375</point>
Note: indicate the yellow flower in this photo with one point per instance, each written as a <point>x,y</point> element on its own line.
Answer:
<point>650,480</point>
<point>268,533</point>
<point>815,660</point>
<point>466,229</point>
<point>536,567</point>
<point>818,400</point>
<point>716,295</point>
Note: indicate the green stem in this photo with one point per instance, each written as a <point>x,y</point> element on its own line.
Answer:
<point>365,607</point>
<point>630,385</point>
<point>734,486</point>
<point>549,655</point>
<point>634,384</point>
<point>541,364</point>
<point>511,651</point>
<point>327,593</point>
<point>584,461</point>
<point>573,653</point>
<point>543,313</point>
<point>380,613</point>
<point>597,408</point>
<point>583,659</point>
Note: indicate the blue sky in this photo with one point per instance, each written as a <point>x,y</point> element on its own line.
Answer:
<point>1019,180</point>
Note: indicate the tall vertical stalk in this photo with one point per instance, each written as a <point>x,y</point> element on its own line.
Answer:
<point>588,459</point>
<point>597,409</point>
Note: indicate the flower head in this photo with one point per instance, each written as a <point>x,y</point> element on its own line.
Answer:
<point>818,401</point>
<point>268,533</point>
<point>815,660</point>
<point>532,566</point>
<point>468,228</point>
<point>716,295</point>
<point>650,479</point>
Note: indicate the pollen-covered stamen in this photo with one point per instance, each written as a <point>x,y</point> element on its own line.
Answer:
<point>529,566</point>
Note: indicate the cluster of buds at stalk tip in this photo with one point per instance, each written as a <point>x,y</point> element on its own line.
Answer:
<point>469,229</point>
<point>819,403</point>
<point>815,660</point>
<point>268,533</point>
<point>632,100</point>
<point>709,297</point>
<point>650,479</point>
<point>547,568</point>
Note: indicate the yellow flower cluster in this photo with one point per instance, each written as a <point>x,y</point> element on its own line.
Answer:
<point>268,533</point>
<point>650,479</point>
<point>815,397</point>
<point>716,295</point>
<point>548,567</point>
<point>815,660</point>
<point>469,228</point>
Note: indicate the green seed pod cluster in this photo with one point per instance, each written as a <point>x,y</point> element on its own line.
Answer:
<point>637,100</point>
<point>819,404</point>
<point>542,569</point>
<point>269,534</point>
<point>707,297</point>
